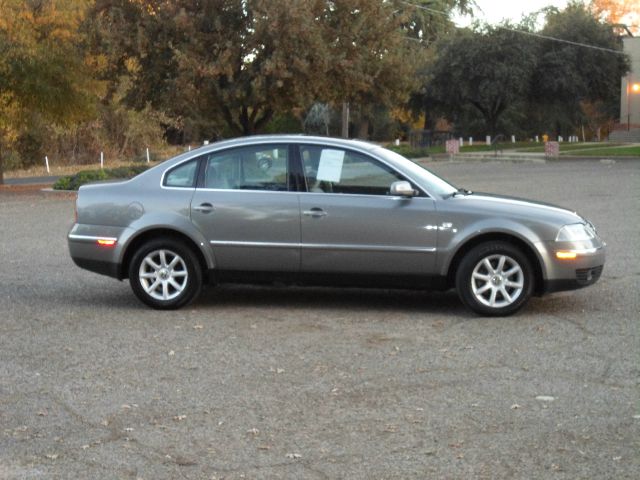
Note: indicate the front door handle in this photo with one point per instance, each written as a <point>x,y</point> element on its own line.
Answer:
<point>204,208</point>
<point>315,212</point>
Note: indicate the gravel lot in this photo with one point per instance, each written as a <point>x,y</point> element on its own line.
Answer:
<point>322,383</point>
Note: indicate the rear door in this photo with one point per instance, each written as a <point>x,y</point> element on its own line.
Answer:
<point>244,206</point>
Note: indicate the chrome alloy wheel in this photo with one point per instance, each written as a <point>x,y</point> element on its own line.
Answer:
<point>497,281</point>
<point>163,274</point>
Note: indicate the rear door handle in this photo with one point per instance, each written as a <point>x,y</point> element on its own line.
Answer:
<point>204,208</point>
<point>315,212</point>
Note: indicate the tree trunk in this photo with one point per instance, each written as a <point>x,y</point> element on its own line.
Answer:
<point>363,128</point>
<point>1,168</point>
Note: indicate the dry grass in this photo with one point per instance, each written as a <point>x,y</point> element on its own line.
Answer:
<point>59,171</point>
<point>162,154</point>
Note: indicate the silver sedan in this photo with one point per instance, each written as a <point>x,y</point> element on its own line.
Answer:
<point>322,211</point>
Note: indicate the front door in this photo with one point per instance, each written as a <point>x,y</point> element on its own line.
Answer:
<point>350,224</point>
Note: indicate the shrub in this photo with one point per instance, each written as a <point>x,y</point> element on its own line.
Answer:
<point>74,182</point>
<point>409,152</point>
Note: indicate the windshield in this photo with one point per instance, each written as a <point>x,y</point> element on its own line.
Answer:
<point>432,182</point>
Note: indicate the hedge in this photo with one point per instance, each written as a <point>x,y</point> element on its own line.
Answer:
<point>74,182</point>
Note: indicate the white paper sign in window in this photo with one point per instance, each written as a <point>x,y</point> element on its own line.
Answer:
<point>330,166</point>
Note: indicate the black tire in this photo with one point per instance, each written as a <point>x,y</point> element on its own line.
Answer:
<point>178,285</point>
<point>491,288</point>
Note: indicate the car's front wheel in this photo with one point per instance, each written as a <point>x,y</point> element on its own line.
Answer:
<point>495,279</point>
<point>165,274</point>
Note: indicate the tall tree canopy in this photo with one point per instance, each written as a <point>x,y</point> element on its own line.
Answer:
<point>569,76</point>
<point>242,61</point>
<point>488,70</point>
<point>553,75</point>
<point>42,72</point>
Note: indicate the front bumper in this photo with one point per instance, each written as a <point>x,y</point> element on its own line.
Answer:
<point>566,272</point>
<point>583,278</point>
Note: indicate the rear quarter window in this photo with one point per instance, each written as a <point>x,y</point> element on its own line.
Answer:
<point>182,176</point>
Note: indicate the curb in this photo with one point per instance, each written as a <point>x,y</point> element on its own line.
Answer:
<point>539,159</point>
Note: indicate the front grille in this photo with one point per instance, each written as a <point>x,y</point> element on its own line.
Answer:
<point>587,276</point>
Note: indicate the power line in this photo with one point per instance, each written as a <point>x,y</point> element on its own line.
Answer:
<point>524,32</point>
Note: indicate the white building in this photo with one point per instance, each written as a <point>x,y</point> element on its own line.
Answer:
<point>630,92</point>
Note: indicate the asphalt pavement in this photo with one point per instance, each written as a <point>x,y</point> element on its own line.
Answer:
<point>292,383</point>
<point>42,180</point>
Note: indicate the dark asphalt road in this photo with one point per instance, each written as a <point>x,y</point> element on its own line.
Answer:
<point>322,383</point>
<point>31,180</point>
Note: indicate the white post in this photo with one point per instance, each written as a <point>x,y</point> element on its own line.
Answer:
<point>461,142</point>
<point>206,142</point>
<point>397,142</point>
<point>537,139</point>
<point>101,160</point>
<point>488,140</point>
<point>513,139</point>
<point>560,138</point>
<point>189,147</point>
<point>471,141</point>
<point>46,162</point>
<point>147,154</point>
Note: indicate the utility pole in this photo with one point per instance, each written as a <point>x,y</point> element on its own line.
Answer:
<point>345,120</point>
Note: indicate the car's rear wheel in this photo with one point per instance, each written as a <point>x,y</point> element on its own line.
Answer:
<point>165,274</point>
<point>495,279</point>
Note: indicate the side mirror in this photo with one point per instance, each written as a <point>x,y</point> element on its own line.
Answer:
<point>402,189</point>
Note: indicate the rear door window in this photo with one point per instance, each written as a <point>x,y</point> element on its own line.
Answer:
<point>261,167</point>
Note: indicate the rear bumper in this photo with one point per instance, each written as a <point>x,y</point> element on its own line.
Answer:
<point>98,266</point>
<point>87,253</point>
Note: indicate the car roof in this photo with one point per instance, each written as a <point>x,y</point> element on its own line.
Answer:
<point>288,138</point>
<point>361,145</point>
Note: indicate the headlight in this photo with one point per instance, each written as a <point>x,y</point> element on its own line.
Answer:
<point>576,232</point>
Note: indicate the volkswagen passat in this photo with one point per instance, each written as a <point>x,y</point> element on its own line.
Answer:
<point>321,211</point>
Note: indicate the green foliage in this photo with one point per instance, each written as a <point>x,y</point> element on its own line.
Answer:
<point>488,80</point>
<point>408,151</point>
<point>569,79</point>
<point>42,73</point>
<point>487,70</point>
<point>74,182</point>
<point>283,123</point>
<point>228,67</point>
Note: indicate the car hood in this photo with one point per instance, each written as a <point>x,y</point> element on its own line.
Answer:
<point>515,206</point>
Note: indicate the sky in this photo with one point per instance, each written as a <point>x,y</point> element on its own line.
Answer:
<point>493,11</point>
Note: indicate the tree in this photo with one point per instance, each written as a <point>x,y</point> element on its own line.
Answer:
<point>625,12</point>
<point>570,75</point>
<point>428,20</point>
<point>41,72</point>
<point>229,66</point>
<point>499,73</point>
<point>372,63</point>
<point>236,61</point>
<point>488,70</point>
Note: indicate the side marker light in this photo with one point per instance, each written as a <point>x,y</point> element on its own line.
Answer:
<point>106,242</point>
